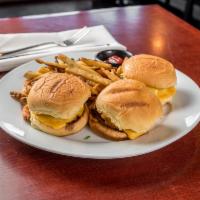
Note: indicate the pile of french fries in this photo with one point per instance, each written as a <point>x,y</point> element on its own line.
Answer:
<point>96,74</point>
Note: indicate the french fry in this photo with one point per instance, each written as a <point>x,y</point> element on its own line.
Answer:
<point>93,77</point>
<point>31,75</point>
<point>85,67</point>
<point>51,64</point>
<point>101,72</point>
<point>67,61</point>
<point>91,83</point>
<point>43,70</point>
<point>53,69</point>
<point>23,100</point>
<point>96,63</point>
<point>119,70</point>
<point>97,89</point>
<point>59,60</point>
<point>95,67</point>
<point>79,64</point>
<point>63,58</point>
<point>27,87</point>
<point>110,75</point>
<point>84,64</point>
<point>26,113</point>
<point>114,71</point>
<point>72,67</point>
<point>19,96</point>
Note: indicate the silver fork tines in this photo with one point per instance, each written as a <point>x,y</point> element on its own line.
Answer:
<point>74,39</point>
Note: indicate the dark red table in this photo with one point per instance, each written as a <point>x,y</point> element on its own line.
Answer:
<point>170,173</point>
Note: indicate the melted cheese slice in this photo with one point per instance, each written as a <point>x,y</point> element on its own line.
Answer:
<point>56,123</point>
<point>132,134</point>
<point>163,94</point>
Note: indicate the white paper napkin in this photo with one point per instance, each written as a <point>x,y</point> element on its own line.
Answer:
<point>98,35</point>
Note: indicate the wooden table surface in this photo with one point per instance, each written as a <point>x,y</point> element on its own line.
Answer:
<point>173,172</point>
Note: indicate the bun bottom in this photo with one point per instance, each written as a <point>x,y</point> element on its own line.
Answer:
<point>71,128</point>
<point>104,131</point>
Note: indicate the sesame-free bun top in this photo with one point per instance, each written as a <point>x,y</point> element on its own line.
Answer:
<point>59,95</point>
<point>129,105</point>
<point>152,70</point>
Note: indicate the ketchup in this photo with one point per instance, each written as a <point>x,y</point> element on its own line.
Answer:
<point>115,60</point>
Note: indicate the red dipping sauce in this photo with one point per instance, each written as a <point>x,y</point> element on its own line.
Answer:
<point>115,60</point>
<point>115,57</point>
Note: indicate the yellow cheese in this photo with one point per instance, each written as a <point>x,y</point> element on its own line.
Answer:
<point>166,93</point>
<point>51,121</point>
<point>132,134</point>
<point>163,94</point>
<point>56,123</point>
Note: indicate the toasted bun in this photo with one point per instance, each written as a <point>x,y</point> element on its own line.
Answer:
<point>71,128</point>
<point>105,131</point>
<point>152,70</point>
<point>129,105</point>
<point>58,95</point>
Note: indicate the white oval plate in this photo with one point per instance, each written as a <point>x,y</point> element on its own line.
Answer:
<point>185,115</point>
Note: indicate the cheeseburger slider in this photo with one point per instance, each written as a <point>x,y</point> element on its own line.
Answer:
<point>125,109</point>
<point>157,73</point>
<point>57,104</point>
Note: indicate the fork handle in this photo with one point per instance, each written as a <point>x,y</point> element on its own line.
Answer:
<point>26,48</point>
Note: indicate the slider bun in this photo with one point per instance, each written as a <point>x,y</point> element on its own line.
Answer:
<point>105,131</point>
<point>71,128</point>
<point>59,95</point>
<point>129,105</point>
<point>152,70</point>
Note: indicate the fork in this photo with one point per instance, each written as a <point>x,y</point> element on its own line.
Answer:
<point>71,41</point>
